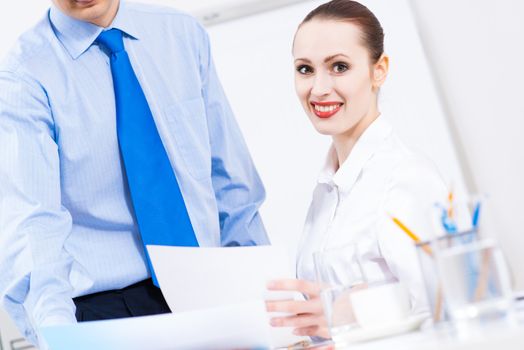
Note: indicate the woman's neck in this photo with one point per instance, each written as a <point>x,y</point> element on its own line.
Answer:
<point>345,142</point>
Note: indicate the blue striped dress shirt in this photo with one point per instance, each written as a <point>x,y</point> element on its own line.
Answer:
<point>66,220</point>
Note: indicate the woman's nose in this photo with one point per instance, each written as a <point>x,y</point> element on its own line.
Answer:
<point>322,85</point>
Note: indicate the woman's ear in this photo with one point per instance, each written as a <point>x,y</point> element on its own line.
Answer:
<point>380,71</point>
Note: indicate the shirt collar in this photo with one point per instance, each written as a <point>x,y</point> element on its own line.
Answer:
<point>77,36</point>
<point>347,174</point>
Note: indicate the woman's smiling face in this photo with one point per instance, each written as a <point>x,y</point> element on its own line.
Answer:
<point>335,79</point>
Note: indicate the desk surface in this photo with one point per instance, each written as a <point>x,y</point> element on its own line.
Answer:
<point>500,335</point>
<point>492,336</point>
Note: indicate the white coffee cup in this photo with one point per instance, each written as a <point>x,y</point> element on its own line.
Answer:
<point>379,305</point>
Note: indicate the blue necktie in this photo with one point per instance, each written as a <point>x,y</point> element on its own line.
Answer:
<point>158,203</point>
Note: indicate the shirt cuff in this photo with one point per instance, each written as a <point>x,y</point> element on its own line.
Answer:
<point>57,319</point>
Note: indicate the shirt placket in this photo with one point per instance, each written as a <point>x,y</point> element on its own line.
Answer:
<point>331,224</point>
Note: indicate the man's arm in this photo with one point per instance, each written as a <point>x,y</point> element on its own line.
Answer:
<point>238,188</point>
<point>34,267</point>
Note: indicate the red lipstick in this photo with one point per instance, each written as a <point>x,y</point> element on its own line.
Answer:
<point>327,109</point>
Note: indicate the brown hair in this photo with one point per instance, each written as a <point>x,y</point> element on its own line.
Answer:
<point>358,14</point>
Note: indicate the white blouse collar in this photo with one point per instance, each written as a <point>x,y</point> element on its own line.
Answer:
<point>345,177</point>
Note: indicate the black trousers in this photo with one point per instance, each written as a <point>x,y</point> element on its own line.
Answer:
<point>140,299</point>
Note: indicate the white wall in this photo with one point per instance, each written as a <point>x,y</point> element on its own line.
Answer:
<point>476,50</point>
<point>16,17</point>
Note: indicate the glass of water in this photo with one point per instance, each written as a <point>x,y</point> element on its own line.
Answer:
<point>339,273</point>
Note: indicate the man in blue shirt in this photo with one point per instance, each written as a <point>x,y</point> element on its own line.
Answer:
<point>72,247</point>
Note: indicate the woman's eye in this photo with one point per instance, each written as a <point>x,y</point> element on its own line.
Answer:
<point>340,67</point>
<point>303,69</point>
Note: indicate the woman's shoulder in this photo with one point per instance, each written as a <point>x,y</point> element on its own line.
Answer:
<point>396,154</point>
<point>401,164</point>
<point>412,185</point>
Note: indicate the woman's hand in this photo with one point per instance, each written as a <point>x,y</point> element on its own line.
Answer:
<point>307,317</point>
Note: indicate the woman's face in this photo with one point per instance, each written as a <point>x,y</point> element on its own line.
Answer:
<point>334,78</point>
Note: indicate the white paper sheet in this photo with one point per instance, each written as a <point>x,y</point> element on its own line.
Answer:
<point>225,327</point>
<point>217,295</point>
<point>200,278</point>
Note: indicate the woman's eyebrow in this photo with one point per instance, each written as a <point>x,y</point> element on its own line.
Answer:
<point>332,57</point>
<point>303,59</point>
<point>327,59</point>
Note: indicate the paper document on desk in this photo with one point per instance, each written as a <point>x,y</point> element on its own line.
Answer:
<point>199,278</point>
<point>221,328</point>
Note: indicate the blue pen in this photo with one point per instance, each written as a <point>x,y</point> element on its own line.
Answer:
<point>476,215</point>
<point>447,222</point>
<point>447,225</point>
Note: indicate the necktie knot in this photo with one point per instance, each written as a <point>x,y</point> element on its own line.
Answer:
<point>111,40</point>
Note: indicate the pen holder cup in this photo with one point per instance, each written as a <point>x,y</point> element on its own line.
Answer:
<point>466,278</point>
<point>428,266</point>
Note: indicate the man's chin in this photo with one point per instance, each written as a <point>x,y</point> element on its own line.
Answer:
<point>91,14</point>
<point>85,3</point>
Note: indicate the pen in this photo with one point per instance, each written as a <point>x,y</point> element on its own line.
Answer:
<point>300,345</point>
<point>448,224</point>
<point>476,215</point>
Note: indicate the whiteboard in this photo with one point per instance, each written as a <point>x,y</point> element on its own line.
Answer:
<point>254,61</point>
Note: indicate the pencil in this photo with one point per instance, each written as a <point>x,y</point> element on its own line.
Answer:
<point>483,279</point>
<point>410,233</point>
<point>427,249</point>
<point>450,202</point>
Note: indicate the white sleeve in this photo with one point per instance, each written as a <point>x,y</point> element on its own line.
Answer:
<point>411,192</point>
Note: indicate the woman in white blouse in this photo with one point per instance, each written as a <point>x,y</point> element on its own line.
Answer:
<point>369,173</point>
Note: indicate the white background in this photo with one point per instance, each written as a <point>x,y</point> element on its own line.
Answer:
<point>476,48</point>
<point>460,101</point>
